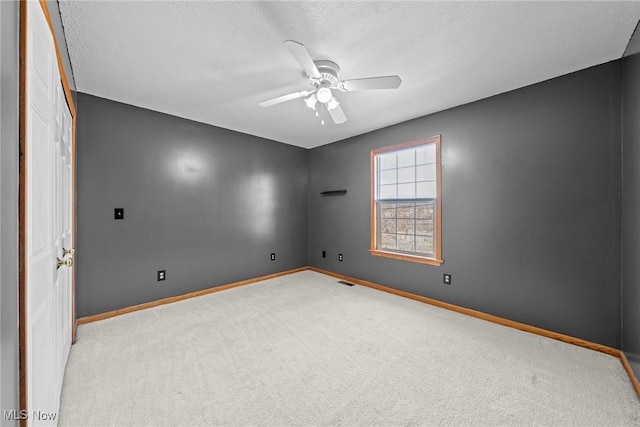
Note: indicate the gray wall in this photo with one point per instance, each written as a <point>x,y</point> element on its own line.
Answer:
<point>531,209</point>
<point>207,204</point>
<point>9,397</point>
<point>631,200</point>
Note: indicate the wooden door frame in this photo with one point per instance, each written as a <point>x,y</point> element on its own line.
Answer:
<point>22,190</point>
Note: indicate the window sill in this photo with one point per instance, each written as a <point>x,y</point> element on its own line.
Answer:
<point>405,257</point>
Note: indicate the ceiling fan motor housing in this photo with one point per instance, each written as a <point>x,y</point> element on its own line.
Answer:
<point>328,74</point>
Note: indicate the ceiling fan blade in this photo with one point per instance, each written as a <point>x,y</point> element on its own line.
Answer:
<point>369,83</point>
<point>337,115</point>
<point>284,98</point>
<point>302,55</point>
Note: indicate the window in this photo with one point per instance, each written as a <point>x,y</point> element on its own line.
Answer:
<point>405,202</point>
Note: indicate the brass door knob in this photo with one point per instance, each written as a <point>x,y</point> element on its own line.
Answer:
<point>66,252</point>
<point>68,262</point>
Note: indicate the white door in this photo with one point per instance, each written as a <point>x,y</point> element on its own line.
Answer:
<point>48,223</point>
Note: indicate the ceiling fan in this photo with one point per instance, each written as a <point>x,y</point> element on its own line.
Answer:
<point>323,77</point>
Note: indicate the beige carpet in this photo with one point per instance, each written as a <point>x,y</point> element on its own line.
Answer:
<point>305,350</point>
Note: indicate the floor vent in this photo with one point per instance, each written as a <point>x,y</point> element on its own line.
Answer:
<point>342,282</point>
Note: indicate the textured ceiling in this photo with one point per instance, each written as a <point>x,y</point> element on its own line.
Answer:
<point>214,61</point>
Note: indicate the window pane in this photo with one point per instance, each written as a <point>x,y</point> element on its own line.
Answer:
<point>387,161</point>
<point>406,210</point>
<point>407,191</point>
<point>424,228</point>
<point>388,191</point>
<point>388,210</point>
<point>426,154</point>
<point>388,177</point>
<point>406,158</point>
<point>425,211</point>
<point>406,226</point>
<point>407,174</point>
<point>406,243</point>
<point>426,173</point>
<point>424,245</point>
<point>388,241</point>
<point>388,225</point>
<point>426,189</point>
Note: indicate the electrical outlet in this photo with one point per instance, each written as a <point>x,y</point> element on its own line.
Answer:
<point>340,257</point>
<point>118,213</point>
<point>273,257</point>
<point>447,278</point>
<point>324,254</point>
<point>162,275</point>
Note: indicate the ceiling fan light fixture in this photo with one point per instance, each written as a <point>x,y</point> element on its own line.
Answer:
<point>324,95</point>
<point>333,103</point>
<point>311,101</point>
